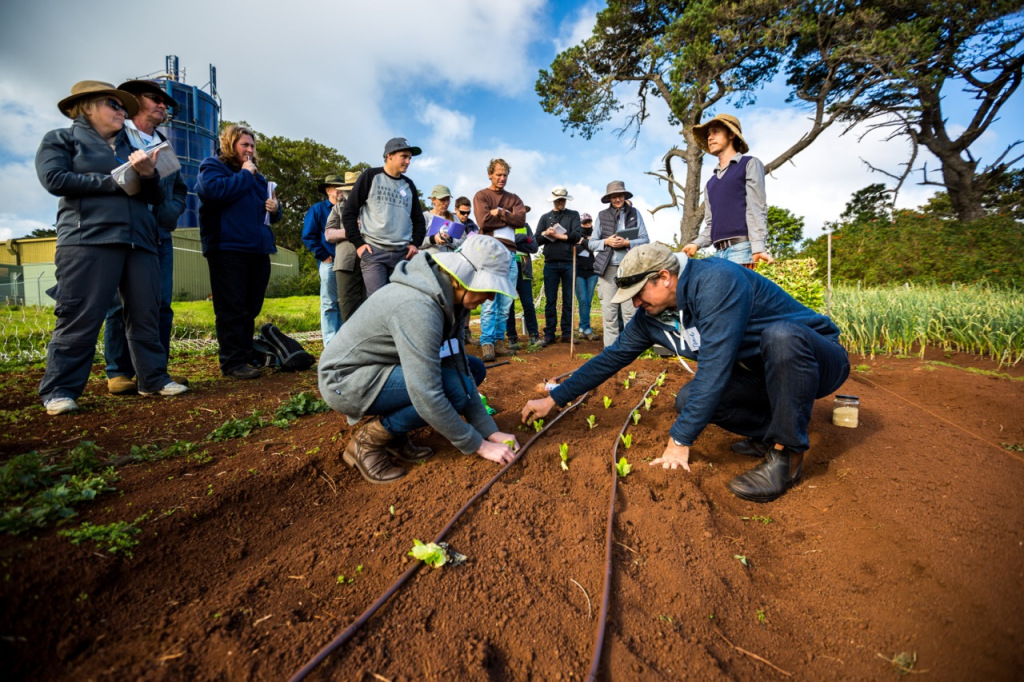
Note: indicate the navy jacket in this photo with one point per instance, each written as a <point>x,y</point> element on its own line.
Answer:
<point>313,230</point>
<point>729,307</point>
<point>74,164</point>
<point>232,211</point>
<point>557,250</point>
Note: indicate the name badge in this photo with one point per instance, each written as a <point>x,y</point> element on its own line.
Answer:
<point>402,192</point>
<point>692,338</point>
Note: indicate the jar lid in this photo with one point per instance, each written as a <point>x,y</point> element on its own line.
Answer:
<point>846,397</point>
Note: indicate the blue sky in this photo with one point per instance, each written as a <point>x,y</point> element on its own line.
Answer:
<point>454,76</point>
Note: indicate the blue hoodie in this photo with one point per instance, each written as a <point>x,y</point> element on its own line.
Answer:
<point>231,217</point>
<point>722,309</point>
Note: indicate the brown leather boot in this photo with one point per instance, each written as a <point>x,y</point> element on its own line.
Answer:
<point>502,349</point>
<point>366,452</point>
<point>407,451</point>
<point>779,472</point>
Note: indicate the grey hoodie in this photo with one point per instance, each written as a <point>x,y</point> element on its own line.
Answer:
<point>403,323</point>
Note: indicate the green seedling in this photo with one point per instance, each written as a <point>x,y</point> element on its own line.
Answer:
<point>632,375</point>
<point>623,467</point>
<point>742,559</point>
<point>636,417</point>
<point>563,452</point>
<point>763,519</point>
<point>538,425</point>
<point>607,402</point>
<point>342,580</point>
<point>761,617</point>
<point>591,421</point>
<point>429,554</point>
<point>661,379</point>
<point>625,384</point>
<point>391,510</point>
<point>627,440</point>
<point>647,402</point>
<point>116,538</point>
<point>511,444</point>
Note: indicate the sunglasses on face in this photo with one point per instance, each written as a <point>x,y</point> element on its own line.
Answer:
<point>463,212</point>
<point>630,280</point>
<point>116,106</point>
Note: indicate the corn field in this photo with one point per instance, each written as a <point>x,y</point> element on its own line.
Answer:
<point>980,320</point>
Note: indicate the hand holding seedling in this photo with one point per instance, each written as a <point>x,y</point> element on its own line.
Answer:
<point>674,456</point>
<point>494,447</point>
<point>537,409</point>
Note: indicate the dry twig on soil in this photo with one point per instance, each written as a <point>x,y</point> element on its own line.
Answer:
<point>753,655</point>
<point>585,595</point>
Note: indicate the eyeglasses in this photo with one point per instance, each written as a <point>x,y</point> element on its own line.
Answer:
<point>463,212</point>
<point>116,106</point>
<point>630,280</point>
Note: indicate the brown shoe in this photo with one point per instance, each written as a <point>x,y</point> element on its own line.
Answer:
<point>487,352</point>
<point>501,348</point>
<point>122,386</point>
<point>366,453</point>
<point>407,451</point>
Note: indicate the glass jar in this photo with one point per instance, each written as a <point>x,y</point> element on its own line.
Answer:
<point>846,411</point>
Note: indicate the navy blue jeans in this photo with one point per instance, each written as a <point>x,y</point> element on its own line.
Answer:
<point>555,275</point>
<point>115,341</point>
<point>770,399</point>
<point>395,407</point>
<point>585,287</point>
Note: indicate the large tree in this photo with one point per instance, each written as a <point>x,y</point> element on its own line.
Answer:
<point>298,166</point>
<point>693,55</point>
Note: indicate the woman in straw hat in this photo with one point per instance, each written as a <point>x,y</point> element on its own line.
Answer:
<point>384,362</point>
<point>106,242</point>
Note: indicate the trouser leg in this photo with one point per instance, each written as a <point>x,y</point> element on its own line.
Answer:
<point>140,295</point>
<point>566,280</point>
<point>115,344</point>
<point>166,294</point>
<point>239,283</point>
<point>609,313</point>
<point>551,282</point>
<point>394,405</point>
<point>524,287</point>
<point>330,318</point>
<point>351,291</point>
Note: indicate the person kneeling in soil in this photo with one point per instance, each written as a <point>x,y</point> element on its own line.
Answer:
<point>384,361</point>
<point>763,358</point>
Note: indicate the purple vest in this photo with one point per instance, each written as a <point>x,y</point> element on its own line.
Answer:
<point>728,200</point>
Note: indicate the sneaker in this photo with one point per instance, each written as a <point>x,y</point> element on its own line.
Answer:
<point>535,340</point>
<point>122,386</point>
<point>170,388</point>
<point>487,352</point>
<point>243,372</point>
<point>180,380</point>
<point>55,406</point>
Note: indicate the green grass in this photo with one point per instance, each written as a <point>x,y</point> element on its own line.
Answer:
<point>292,314</point>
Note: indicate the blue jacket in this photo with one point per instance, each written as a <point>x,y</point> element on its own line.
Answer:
<point>74,164</point>
<point>729,307</point>
<point>232,211</point>
<point>313,230</point>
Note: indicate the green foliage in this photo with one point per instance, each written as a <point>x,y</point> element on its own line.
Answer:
<point>117,538</point>
<point>297,406</point>
<point>563,453</point>
<point>742,559</point>
<point>623,467</point>
<point>784,232</point>
<point>591,421</point>
<point>627,440</point>
<point>430,554</point>
<point>237,428</point>
<point>152,453</point>
<point>607,402</point>
<point>797,278</point>
<point>538,425</point>
<point>924,249</point>
<point>636,417</point>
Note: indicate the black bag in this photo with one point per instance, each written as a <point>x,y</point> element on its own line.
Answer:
<point>273,348</point>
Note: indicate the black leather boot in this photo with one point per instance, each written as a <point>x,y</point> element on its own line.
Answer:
<point>407,451</point>
<point>779,472</point>
<point>366,452</point>
<point>751,447</point>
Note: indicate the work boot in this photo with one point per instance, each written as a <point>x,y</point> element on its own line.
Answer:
<point>502,348</point>
<point>122,386</point>
<point>750,447</point>
<point>366,452</point>
<point>779,472</point>
<point>513,344</point>
<point>487,352</point>
<point>535,340</point>
<point>407,451</point>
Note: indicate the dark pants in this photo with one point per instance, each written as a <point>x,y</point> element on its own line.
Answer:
<point>115,340</point>
<point>351,291</point>
<point>555,275</point>
<point>239,283</point>
<point>524,287</point>
<point>377,265</point>
<point>87,279</point>
<point>395,406</point>
<point>771,399</point>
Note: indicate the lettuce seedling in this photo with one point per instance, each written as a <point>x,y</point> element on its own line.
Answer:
<point>563,452</point>
<point>607,402</point>
<point>627,440</point>
<point>636,417</point>
<point>661,379</point>
<point>632,375</point>
<point>647,403</point>
<point>538,425</point>
<point>625,384</point>
<point>623,467</point>
<point>429,554</point>
<point>591,421</point>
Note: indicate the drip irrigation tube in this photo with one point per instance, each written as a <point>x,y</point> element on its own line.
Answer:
<point>595,662</point>
<point>402,579</point>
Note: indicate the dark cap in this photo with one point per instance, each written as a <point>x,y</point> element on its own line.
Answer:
<point>399,144</point>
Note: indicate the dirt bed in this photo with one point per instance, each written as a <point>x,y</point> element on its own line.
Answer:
<point>905,537</point>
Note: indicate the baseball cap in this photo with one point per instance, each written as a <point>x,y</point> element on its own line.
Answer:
<point>397,144</point>
<point>641,264</point>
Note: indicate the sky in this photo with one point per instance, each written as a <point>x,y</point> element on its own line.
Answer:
<point>455,77</point>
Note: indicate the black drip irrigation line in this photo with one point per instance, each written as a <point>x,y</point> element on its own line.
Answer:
<point>402,579</point>
<point>595,662</point>
<point>497,364</point>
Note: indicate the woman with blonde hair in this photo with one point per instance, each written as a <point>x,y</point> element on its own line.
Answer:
<point>238,207</point>
<point>106,243</point>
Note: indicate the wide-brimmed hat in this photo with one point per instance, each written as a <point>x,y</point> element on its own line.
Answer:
<point>398,144</point>
<point>641,264</point>
<point>142,87</point>
<point>700,133</point>
<point>90,89</point>
<point>482,263</point>
<point>440,192</point>
<point>560,193</point>
<point>350,180</point>
<point>615,187</point>
<point>331,181</point>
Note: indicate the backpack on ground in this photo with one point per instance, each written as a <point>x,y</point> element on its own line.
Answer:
<point>273,348</point>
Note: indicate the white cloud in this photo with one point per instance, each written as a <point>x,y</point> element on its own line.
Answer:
<point>578,27</point>
<point>448,127</point>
